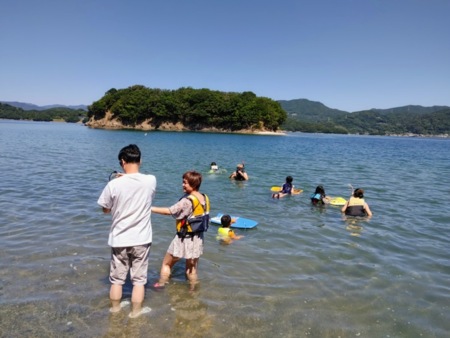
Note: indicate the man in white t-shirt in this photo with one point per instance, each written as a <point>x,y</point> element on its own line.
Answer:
<point>129,199</point>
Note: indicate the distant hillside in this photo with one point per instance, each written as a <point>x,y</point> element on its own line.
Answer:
<point>418,110</point>
<point>310,116</point>
<point>310,111</point>
<point>10,112</point>
<point>30,106</point>
<point>317,111</point>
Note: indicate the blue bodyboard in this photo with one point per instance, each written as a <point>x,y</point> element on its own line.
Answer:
<point>239,222</point>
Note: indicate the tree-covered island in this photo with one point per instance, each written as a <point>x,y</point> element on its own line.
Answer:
<point>139,107</point>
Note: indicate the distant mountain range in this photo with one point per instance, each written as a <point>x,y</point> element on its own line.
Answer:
<point>30,106</point>
<point>309,116</point>
<point>317,112</point>
<point>314,117</point>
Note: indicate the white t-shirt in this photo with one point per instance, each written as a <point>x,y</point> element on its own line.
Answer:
<point>130,199</point>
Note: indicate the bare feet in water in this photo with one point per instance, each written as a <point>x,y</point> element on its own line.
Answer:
<point>122,304</point>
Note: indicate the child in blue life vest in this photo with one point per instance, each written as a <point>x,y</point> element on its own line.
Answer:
<point>319,197</point>
<point>286,189</point>
<point>225,235</point>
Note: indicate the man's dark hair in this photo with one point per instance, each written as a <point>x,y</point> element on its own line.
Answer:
<point>130,154</point>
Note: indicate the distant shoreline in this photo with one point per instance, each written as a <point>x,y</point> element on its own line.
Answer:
<point>275,133</point>
<point>109,122</point>
<point>248,132</point>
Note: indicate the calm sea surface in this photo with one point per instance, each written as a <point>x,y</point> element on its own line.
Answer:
<point>303,272</point>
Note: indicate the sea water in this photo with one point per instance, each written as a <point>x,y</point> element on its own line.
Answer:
<point>302,272</point>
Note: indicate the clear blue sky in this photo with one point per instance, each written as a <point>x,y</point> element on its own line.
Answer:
<point>348,54</point>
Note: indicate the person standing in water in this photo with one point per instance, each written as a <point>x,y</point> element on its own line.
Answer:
<point>239,174</point>
<point>186,244</point>
<point>356,206</point>
<point>128,198</point>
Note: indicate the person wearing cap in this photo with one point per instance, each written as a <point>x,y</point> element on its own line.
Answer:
<point>356,206</point>
<point>239,174</point>
<point>213,168</point>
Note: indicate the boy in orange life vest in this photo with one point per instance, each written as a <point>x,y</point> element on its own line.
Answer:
<point>225,234</point>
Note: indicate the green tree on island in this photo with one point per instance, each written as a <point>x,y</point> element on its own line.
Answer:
<point>196,109</point>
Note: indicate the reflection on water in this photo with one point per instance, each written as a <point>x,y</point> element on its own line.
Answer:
<point>354,225</point>
<point>303,271</point>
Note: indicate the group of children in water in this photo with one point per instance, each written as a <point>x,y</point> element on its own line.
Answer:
<point>355,206</point>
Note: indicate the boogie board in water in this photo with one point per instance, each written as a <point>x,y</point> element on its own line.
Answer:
<point>277,189</point>
<point>337,201</point>
<point>237,222</point>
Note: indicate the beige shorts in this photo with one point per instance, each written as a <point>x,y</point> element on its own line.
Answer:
<point>133,259</point>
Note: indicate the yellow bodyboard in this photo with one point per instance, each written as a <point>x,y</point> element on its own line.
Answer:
<point>337,201</point>
<point>278,189</point>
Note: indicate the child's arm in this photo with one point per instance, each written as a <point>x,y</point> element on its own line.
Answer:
<point>233,235</point>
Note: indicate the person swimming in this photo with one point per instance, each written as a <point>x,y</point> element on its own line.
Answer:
<point>225,234</point>
<point>213,167</point>
<point>356,205</point>
<point>319,197</point>
<point>286,189</point>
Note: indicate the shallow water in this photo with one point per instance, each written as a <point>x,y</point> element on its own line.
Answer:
<point>303,272</point>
